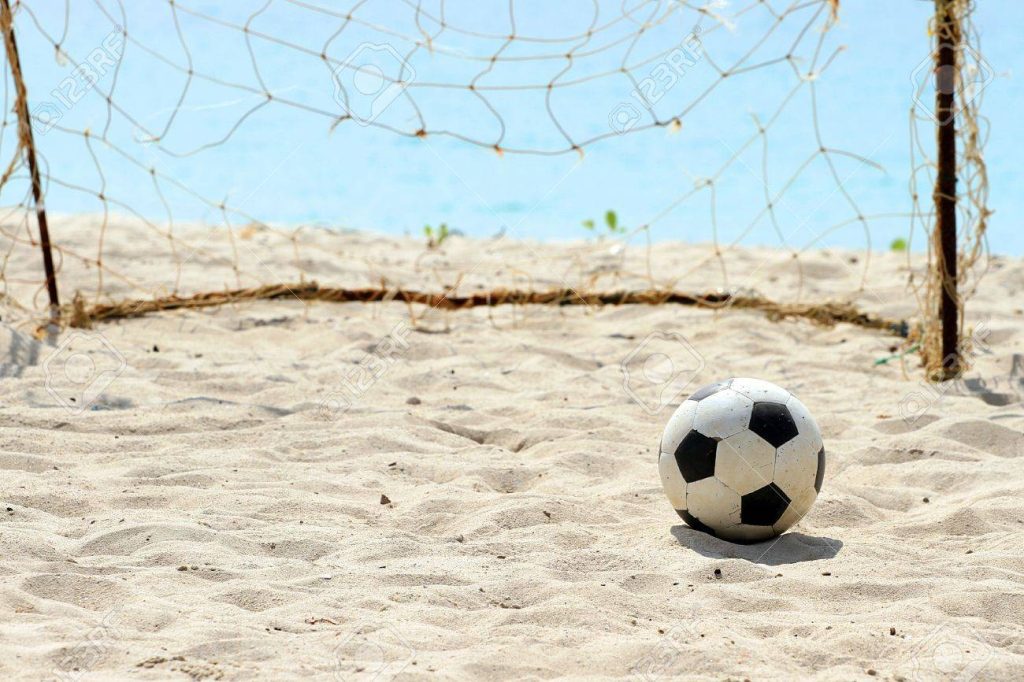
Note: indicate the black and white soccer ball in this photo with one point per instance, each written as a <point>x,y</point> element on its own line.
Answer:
<point>742,459</point>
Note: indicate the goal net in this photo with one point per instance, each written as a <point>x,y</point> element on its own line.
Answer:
<point>142,120</point>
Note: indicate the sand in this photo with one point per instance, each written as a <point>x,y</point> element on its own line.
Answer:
<point>219,507</point>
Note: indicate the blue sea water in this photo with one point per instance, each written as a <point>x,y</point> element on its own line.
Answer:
<point>286,164</point>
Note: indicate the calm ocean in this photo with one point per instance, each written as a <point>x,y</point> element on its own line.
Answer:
<point>285,165</point>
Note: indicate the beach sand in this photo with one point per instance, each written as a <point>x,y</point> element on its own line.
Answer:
<point>490,505</point>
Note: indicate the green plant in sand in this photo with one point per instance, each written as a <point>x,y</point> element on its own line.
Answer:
<point>436,238</point>
<point>611,225</point>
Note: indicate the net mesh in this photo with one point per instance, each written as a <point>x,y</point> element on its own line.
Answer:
<point>451,70</point>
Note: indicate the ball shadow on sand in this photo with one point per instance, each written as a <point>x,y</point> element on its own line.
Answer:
<point>788,548</point>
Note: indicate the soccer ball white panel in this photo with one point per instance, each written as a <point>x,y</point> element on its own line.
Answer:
<point>672,481</point>
<point>713,503</point>
<point>805,423</point>
<point>745,462</point>
<point>679,424</point>
<point>723,414</point>
<point>759,390</point>
<point>796,465</point>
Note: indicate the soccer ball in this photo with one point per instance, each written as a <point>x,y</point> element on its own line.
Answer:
<point>742,460</point>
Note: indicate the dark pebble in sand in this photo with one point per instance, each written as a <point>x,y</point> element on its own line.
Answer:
<point>384,499</point>
<point>413,401</point>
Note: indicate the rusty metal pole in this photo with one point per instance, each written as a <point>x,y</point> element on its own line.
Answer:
<point>949,37</point>
<point>27,143</point>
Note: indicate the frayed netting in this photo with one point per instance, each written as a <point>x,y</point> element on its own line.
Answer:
<point>952,25</point>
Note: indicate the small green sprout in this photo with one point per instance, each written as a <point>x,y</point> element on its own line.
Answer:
<point>435,239</point>
<point>611,219</point>
<point>611,224</point>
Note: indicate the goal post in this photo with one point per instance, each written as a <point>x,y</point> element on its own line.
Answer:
<point>26,146</point>
<point>948,35</point>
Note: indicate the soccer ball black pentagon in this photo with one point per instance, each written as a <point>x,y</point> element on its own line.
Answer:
<point>742,460</point>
